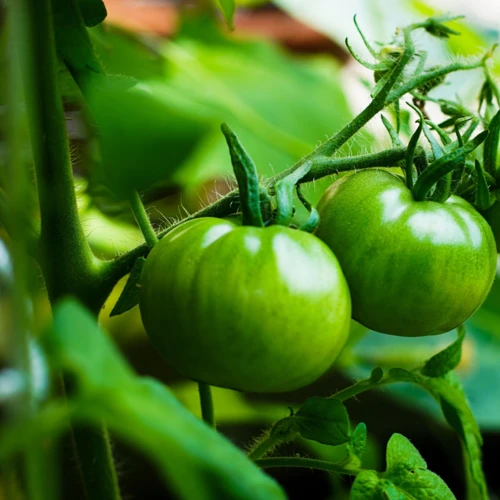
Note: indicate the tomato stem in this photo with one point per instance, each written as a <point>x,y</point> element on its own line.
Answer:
<point>207,404</point>
<point>142,219</point>
<point>266,444</point>
<point>284,194</point>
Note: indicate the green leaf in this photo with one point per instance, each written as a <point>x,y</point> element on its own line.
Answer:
<point>130,294</point>
<point>401,451</point>
<point>448,391</point>
<point>323,420</point>
<point>93,12</point>
<point>357,443</point>
<point>406,477</point>
<point>365,486</point>
<point>447,359</point>
<point>196,462</point>
<point>144,137</point>
<point>228,8</point>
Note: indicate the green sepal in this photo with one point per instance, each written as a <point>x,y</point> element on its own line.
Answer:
<point>395,140</point>
<point>247,177</point>
<point>447,359</point>
<point>442,166</point>
<point>130,294</point>
<point>435,27</point>
<point>483,200</point>
<point>284,194</point>
<point>410,153</point>
<point>312,222</point>
<point>490,150</point>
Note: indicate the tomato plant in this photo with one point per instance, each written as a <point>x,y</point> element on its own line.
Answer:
<point>274,319</point>
<point>239,294</point>
<point>421,267</point>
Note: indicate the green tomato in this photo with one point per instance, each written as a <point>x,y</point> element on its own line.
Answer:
<point>252,309</point>
<point>414,268</point>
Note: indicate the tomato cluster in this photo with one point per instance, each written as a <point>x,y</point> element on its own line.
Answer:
<point>268,309</point>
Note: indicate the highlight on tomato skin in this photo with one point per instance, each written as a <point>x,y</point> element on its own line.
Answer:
<point>252,309</point>
<point>413,268</point>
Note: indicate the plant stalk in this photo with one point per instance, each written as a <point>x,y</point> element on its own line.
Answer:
<point>207,404</point>
<point>67,263</point>
<point>142,219</point>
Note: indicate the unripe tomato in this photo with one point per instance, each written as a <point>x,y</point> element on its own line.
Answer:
<point>413,267</point>
<point>252,309</point>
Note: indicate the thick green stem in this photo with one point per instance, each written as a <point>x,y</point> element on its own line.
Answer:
<point>207,404</point>
<point>95,459</point>
<point>68,265</point>
<point>143,220</point>
<point>39,478</point>
<point>308,463</point>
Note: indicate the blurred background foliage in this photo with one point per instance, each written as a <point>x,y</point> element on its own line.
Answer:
<point>284,82</point>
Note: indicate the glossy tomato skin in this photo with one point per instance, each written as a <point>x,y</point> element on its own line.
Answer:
<point>252,309</point>
<point>414,268</point>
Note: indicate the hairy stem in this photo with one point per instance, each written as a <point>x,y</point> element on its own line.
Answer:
<point>143,220</point>
<point>266,444</point>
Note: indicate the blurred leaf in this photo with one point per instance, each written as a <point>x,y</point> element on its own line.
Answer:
<point>447,359</point>
<point>228,8</point>
<point>239,82</point>
<point>79,346</point>
<point>93,11</point>
<point>143,139</point>
<point>193,458</point>
<point>130,294</point>
<point>123,52</point>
